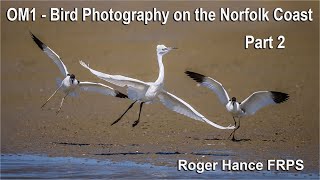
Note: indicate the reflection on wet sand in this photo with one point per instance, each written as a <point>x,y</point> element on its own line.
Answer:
<point>37,166</point>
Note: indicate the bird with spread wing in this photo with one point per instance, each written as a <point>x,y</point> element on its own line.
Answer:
<point>148,92</point>
<point>249,106</point>
<point>70,84</point>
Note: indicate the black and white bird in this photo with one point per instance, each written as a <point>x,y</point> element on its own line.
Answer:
<point>249,106</point>
<point>70,84</point>
<point>148,92</point>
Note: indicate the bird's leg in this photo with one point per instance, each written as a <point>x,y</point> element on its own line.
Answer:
<point>235,125</point>
<point>62,102</point>
<point>235,122</point>
<point>123,113</point>
<point>234,139</point>
<point>51,96</point>
<point>232,133</point>
<point>137,121</point>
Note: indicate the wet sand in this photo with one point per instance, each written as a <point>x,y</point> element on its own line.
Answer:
<point>39,166</point>
<point>286,131</point>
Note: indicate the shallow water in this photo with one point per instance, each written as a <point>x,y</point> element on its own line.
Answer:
<point>41,166</point>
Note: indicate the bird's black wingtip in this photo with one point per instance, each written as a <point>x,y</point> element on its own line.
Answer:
<point>279,97</point>
<point>120,95</point>
<point>195,76</point>
<point>40,44</point>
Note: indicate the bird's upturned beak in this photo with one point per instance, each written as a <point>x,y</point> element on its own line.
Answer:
<point>174,48</point>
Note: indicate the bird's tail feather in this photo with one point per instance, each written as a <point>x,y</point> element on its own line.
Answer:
<point>74,94</point>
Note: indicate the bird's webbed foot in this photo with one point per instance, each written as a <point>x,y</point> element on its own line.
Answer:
<point>135,123</point>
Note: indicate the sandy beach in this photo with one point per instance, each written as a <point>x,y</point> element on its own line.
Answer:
<point>82,129</point>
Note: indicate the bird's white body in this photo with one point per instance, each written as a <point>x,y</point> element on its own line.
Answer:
<point>234,109</point>
<point>153,88</point>
<point>148,92</point>
<point>152,93</point>
<point>69,85</point>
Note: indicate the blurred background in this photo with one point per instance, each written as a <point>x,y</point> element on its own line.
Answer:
<point>215,49</point>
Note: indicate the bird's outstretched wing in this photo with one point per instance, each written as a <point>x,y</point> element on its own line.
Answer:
<point>118,80</point>
<point>178,105</point>
<point>260,99</point>
<point>49,52</point>
<point>101,88</point>
<point>212,84</point>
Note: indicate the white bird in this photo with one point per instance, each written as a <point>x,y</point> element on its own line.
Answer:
<point>148,92</point>
<point>249,106</point>
<point>70,84</point>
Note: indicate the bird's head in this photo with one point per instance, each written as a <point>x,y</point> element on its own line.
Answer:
<point>233,100</point>
<point>72,78</point>
<point>162,49</point>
